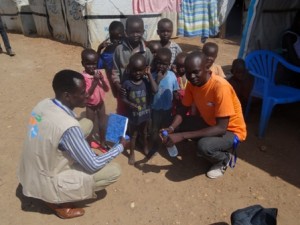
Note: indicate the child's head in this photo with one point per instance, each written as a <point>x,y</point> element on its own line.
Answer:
<point>163,59</point>
<point>137,66</point>
<point>165,30</point>
<point>211,51</point>
<point>116,31</point>
<point>238,69</point>
<point>134,29</point>
<point>196,70</point>
<point>179,63</point>
<point>89,60</point>
<point>154,46</point>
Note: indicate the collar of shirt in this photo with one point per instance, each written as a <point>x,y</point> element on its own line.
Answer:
<point>142,46</point>
<point>65,108</point>
<point>88,75</point>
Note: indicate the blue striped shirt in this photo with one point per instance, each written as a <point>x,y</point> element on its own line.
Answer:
<point>74,143</point>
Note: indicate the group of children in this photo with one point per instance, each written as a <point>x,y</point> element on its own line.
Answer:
<point>147,79</point>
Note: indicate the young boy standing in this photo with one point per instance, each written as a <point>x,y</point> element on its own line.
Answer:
<point>133,43</point>
<point>211,49</point>
<point>107,48</point>
<point>139,89</point>
<point>165,31</point>
<point>162,101</point>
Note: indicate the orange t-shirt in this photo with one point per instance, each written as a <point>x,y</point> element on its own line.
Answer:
<point>216,99</point>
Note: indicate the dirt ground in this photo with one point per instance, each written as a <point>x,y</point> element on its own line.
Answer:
<point>165,191</point>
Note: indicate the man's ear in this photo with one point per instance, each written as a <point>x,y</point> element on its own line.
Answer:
<point>66,96</point>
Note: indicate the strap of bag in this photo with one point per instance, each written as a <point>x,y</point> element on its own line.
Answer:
<point>233,159</point>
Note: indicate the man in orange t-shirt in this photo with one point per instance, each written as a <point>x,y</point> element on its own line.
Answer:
<point>221,120</point>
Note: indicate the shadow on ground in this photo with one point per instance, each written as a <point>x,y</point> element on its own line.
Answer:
<point>36,205</point>
<point>277,152</point>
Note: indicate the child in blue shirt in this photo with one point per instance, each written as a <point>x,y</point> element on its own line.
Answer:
<point>107,48</point>
<point>139,87</point>
<point>162,101</point>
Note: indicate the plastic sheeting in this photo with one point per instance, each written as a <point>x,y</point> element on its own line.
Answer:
<point>16,15</point>
<point>224,7</point>
<point>266,22</point>
<point>79,21</point>
<point>100,14</point>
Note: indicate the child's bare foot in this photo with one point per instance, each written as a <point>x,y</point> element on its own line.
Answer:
<point>131,159</point>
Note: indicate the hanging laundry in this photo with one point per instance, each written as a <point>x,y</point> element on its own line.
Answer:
<point>198,18</point>
<point>155,6</point>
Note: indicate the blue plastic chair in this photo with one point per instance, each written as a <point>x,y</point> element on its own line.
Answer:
<point>262,64</point>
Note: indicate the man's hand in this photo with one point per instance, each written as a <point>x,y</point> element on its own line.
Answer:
<point>174,138</point>
<point>125,142</point>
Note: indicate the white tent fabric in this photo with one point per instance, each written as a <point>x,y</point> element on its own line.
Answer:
<point>80,21</point>
<point>100,14</point>
<point>39,12</point>
<point>17,16</point>
<point>266,22</point>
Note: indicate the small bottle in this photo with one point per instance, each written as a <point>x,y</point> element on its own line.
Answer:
<point>173,152</point>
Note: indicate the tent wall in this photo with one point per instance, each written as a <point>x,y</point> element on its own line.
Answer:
<point>77,21</point>
<point>266,22</point>
<point>40,17</point>
<point>100,14</point>
<point>17,16</point>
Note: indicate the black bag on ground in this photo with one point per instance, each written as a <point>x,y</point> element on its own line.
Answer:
<point>254,215</point>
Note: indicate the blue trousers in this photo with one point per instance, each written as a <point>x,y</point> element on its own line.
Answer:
<point>4,36</point>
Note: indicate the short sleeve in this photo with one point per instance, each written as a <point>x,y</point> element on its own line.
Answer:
<point>188,96</point>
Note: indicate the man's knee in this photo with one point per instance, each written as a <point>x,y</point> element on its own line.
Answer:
<point>86,126</point>
<point>204,147</point>
<point>115,171</point>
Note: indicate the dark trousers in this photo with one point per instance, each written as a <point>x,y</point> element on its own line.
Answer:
<point>160,119</point>
<point>214,149</point>
<point>4,36</point>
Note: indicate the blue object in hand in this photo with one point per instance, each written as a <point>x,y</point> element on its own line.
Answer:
<point>173,152</point>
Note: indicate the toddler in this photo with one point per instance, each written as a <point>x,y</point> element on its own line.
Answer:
<point>211,51</point>
<point>162,101</point>
<point>153,46</point>
<point>107,48</point>
<point>96,86</point>
<point>241,81</point>
<point>139,87</point>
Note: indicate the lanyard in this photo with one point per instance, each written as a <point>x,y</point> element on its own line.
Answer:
<point>60,106</point>
<point>233,159</point>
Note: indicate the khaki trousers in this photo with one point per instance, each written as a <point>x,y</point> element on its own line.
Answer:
<point>110,172</point>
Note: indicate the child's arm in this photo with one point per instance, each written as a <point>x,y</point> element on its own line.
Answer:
<point>126,101</point>
<point>116,71</point>
<point>103,45</point>
<point>93,86</point>
<point>103,82</point>
<point>153,84</point>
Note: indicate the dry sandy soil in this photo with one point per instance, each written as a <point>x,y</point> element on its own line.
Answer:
<point>165,191</point>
